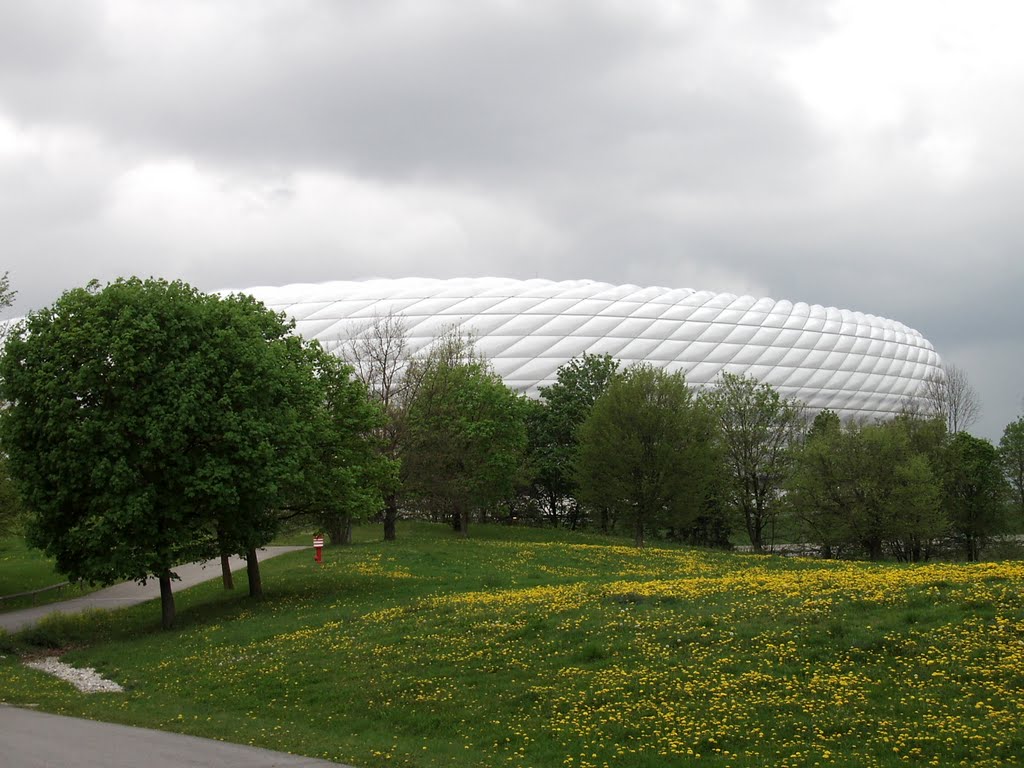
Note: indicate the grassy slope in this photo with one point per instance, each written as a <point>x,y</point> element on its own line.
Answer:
<point>531,648</point>
<point>23,569</point>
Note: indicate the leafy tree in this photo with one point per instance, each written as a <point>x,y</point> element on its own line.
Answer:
<point>1011,454</point>
<point>348,473</point>
<point>12,513</point>
<point>380,358</point>
<point>11,510</point>
<point>150,425</point>
<point>757,426</point>
<point>554,427</point>
<point>865,486</point>
<point>7,295</point>
<point>974,490</point>
<point>647,451</point>
<point>466,439</point>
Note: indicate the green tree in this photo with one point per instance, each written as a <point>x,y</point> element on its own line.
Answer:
<point>865,486</point>
<point>554,428</point>
<point>1011,454</point>
<point>348,474</point>
<point>974,491</point>
<point>647,451</point>
<point>758,427</point>
<point>11,510</point>
<point>380,358</point>
<point>466,438</point>
<point>151,425</point>
<point>12,513</point>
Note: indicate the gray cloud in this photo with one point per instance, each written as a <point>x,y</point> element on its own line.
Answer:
<point>239,143</point>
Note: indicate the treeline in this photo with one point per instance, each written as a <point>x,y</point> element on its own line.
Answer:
<point>638,451</point>
<point>148,424</point>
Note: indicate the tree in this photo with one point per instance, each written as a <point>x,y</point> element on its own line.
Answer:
<point>150,425</point>
<point>647,451</point>
<point>466,440</point>
<point>12,513</point>
<point>865,486</point>
<point>757,426</point>
<point>554,427</point>
<point>950,395</point>
<point>380,359</point>
<point>11,510</point>
<point>348,473</point>
<point>7,295</point>
<point>1011,454</point>
<point>974,490</point>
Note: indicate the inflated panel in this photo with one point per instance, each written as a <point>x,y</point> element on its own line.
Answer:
<point>856,364</point>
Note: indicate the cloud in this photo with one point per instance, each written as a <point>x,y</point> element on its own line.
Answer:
<point>852,153</point>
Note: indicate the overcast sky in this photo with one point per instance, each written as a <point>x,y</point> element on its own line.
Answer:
<point>864,154</point>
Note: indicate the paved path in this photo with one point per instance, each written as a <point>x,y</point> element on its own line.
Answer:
<point>131,593</point>
<point>38,740</point>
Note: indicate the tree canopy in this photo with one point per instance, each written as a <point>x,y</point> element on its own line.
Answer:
<point>757,427</point>
<point>151,425</point>
<point>466,438</point>
<point>1011,454</point>
<point>647,451</point>
<point>554,426</point>
<point>865,486</point>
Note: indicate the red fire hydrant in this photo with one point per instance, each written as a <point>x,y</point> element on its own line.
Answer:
<point>318,547</point>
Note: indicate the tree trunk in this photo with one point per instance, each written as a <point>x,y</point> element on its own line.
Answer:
<point>225,571</point>
<point>252,569</point>
<point>638,532</point>
<point>390,518</point>
<point>874,547</point>
<point>166,601</point>
<point>339,529</point>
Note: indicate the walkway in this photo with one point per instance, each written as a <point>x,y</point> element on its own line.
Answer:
<point>129,592</point>
<point>38,740</point>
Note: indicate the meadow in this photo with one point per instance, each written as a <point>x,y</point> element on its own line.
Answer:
<point>521,647</point>
<point>27,570</point>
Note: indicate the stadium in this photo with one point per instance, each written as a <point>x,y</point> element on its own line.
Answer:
<point>858,365</point>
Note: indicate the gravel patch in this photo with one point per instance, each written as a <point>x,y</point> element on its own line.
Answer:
<point>87,680</point>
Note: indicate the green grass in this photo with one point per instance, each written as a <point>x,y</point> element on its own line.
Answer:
<point>522,647</point>
<point>24,570</point>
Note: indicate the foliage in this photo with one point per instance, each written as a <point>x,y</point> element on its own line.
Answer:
<point>1011,454</point>
<point>647,452</point>
<point>380,358</point>
<point>466,438</point>
<point>11,508</point>
<point>150,425</point>
<point>865,486</point>
<point>348,473</point>
<point>757,426</point>
<point>974,491</point>
<point>541,646</point>
<point>554,425</point>
<point>12,511</point>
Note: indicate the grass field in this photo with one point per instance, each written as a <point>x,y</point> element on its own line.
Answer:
<point>23,570</point>
<point>534,648</point>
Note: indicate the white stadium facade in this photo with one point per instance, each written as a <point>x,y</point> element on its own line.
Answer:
<point>858,365</point>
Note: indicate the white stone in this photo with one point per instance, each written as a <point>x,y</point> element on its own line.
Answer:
<point>86,679</point>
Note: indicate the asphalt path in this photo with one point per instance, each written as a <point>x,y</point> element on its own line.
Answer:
<point>130,592</point>
<point>31,739</point>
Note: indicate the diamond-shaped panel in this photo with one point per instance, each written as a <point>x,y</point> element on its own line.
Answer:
<point>856,364</point>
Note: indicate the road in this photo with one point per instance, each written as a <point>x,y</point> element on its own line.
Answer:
<point>31,739</point>
<point>129,592</point>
